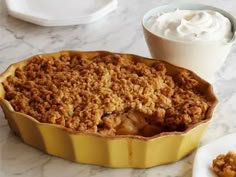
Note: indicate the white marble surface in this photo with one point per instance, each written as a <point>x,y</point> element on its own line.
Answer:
<point>120,31</point>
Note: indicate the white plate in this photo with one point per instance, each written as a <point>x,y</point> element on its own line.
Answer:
<point>60,12</point>
<point>206,154</point>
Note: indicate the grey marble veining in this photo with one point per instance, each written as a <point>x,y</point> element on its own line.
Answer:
<point>120,31</point>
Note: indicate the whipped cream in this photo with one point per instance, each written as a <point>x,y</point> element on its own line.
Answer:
<point>191,25</point>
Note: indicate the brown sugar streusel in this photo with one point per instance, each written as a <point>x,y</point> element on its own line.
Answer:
<point>108,94</point>
<point>225,165</point>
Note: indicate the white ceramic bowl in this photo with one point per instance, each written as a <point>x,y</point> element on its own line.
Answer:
<point>204,58</point>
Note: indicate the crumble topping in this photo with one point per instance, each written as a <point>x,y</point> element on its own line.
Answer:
<point>225,165</point>
<point>108,94</point>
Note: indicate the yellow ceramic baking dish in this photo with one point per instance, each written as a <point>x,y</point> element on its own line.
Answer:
<point>119,151</point>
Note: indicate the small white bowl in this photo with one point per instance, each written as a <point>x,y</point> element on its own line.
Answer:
<point>204,58</point>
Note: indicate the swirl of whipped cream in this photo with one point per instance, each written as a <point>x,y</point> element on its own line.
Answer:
<point>191,25</point>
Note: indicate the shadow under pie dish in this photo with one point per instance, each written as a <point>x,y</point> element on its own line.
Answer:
<point>109,109</point>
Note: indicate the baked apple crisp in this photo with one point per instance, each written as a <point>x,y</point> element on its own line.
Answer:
<point>107,94</point>
<point>225,165</point>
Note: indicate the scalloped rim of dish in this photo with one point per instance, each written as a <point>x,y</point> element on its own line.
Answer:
<point>209,87</point>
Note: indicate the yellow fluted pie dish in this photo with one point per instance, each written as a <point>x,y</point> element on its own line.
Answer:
<point>109,109</point>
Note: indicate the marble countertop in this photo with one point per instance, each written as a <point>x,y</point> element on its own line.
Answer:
<point>120,31</point>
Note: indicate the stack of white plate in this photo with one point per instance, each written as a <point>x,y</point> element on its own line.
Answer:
<point>60,12</point>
